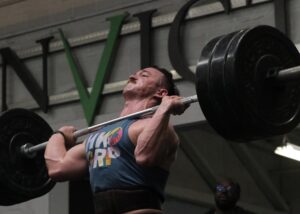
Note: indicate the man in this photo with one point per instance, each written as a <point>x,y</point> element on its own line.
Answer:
<point>227,194</point>
<point>128,161</point>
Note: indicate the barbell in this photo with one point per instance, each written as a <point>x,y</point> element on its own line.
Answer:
<point>247,85</point>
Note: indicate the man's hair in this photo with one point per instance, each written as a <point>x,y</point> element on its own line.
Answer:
<point>171,87</point>
<point>234,184</point>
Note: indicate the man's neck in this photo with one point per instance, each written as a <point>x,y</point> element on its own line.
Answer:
<point>135,105</point>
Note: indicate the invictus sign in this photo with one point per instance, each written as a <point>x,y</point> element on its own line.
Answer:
<point>91,100</point>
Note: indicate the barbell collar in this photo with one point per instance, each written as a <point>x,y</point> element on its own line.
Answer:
<point>29,150</point>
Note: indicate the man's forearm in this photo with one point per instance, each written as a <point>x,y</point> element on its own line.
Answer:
<point>55,149</point>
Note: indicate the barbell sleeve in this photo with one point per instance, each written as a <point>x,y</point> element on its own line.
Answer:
<point>289,74</point>
<point>28,150</point>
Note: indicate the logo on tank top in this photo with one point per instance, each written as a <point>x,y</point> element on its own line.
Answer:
<point>102,147</point>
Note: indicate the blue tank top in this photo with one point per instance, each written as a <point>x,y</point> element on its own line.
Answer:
<point>112,164</point>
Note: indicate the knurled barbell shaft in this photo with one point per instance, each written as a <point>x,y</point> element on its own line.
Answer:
<point>29,150</point>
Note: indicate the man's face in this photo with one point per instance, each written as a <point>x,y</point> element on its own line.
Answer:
<point>144,83</point>
<point>226,195</point>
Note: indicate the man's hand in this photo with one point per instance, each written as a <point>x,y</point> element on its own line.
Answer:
<point>173,105</point>
<point>68,131</point>
<point>65,159</point>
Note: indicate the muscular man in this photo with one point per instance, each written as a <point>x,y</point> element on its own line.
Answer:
<point>128,161</point>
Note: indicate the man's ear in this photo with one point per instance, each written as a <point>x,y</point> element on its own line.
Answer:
<point>161,93</point>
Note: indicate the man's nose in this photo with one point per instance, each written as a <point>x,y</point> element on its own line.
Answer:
<point>132,77</point>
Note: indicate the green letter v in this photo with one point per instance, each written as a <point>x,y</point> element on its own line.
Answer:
<point>90,101</point>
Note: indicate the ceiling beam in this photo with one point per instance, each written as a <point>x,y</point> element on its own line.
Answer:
<point>197,160</point>
<point>259,175</point>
